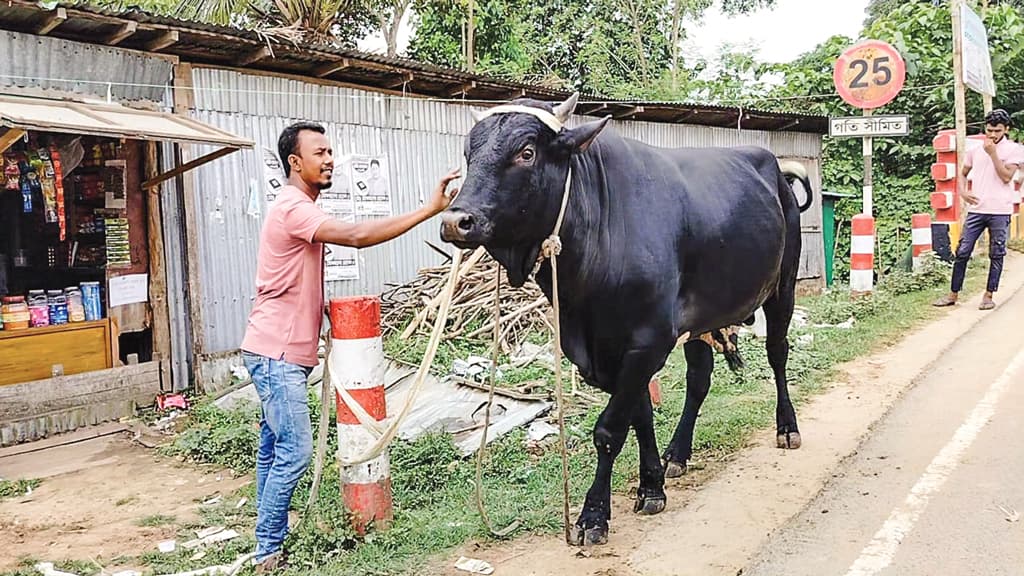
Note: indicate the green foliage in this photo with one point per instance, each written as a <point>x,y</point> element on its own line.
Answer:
<point>225,437</point>
<point>606,47</point>
<point>15,488</point>
<point>155,521</point>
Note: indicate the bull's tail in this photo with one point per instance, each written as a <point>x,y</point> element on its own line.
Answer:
<point>793,170</point>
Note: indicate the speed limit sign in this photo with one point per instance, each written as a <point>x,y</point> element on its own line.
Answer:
<point>869,75</point>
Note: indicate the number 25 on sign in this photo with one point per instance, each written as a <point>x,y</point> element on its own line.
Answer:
<point>869,75</point>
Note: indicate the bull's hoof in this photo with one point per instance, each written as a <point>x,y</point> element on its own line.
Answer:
<point>789,441</point>
<point>649,505</point>
<point>595,536</point>
<point>675,469</point>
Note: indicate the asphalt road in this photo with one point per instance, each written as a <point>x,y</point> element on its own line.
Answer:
<point>938,484</point>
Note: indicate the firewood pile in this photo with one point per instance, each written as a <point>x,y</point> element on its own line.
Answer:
<point>411,309</point>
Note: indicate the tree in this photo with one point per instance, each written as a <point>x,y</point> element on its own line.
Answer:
<point>623,49</point>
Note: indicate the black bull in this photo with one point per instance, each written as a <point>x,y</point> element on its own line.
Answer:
<point>657,244</point>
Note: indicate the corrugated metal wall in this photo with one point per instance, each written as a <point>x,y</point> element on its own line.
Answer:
<point>422,139</point>
<point>47,63</point>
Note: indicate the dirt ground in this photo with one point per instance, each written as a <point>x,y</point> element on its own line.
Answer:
<point>92,495</point>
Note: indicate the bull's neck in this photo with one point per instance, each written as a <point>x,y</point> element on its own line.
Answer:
<point>580,232</point>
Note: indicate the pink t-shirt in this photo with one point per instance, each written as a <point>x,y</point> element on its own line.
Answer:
<point>994,195</point>
<point>285,320</point>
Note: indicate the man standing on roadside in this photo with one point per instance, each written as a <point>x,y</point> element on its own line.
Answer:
<point>282,335</point>
<point>991,168</point>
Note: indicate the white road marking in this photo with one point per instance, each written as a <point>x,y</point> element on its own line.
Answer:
<point>879,554</point>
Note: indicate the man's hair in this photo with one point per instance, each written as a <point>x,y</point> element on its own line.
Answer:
<point>289,141</point>
<point>997,117</point>
<point>375,161</point>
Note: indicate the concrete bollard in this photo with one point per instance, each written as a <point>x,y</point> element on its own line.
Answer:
<point>357,363</point>
<point>921,234</point>
<point>862,254</point>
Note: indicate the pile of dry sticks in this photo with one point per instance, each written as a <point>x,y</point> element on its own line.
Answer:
<point>471,317</point>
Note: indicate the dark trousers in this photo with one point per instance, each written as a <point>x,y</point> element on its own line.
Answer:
<point>998,226</point>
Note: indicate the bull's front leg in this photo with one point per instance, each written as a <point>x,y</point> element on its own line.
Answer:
<point>638,366</point>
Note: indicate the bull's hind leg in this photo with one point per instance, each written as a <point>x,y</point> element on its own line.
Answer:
<point>700,361</point>
<point>650,495</point>
<point>778,312</point>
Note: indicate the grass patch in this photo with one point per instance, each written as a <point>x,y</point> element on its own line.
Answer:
<point>433,486</point>
<point>155,521</point>
<point>14,488</point>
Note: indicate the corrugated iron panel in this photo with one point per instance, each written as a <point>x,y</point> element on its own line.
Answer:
<point>422,139</point>
<point>48,63</point>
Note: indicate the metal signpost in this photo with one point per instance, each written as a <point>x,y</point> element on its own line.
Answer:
<point>868,75</point>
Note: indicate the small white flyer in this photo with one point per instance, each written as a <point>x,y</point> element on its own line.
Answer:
<point>128,289</point>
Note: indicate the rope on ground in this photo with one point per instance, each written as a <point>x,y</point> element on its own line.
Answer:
<point>386,435</point>
<point>496,348</point>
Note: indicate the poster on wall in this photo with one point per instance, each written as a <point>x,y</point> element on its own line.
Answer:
<point>340,262</point>
<point>370,185</point>
<point>273,175</point>
<point>114,185</point>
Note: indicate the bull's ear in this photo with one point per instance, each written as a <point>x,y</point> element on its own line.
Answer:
<point>580,138</point>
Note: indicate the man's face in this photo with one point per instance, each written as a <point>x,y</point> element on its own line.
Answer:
<point>374,171</point>
<point>995,133</point>
<point>313,160</point>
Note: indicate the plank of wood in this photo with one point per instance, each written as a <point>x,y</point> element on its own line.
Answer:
<point>51,21</point>
<point>157,273</point>
<point>178,171</point>
<point>9,137</point>
<point>137,382</point>
<point>75,437</point>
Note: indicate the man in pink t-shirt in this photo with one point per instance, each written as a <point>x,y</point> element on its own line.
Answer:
<point>991,168</point>
<point>282,335</point>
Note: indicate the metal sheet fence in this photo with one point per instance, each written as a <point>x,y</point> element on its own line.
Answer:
<point>422,140</point>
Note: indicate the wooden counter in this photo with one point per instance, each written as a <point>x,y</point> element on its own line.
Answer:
<point>31,354</point>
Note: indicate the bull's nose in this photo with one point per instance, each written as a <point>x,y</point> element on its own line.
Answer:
<point>456,225</point>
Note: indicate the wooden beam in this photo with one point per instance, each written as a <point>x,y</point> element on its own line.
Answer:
<point>254,56</point>
<point>156,180</point>
<point>331,68</point>
<point>51,21</point>
<point>405,79</point>
<point>126,30</point>
<point>157,274</point>
<point>460,90</point>
<point>789,125</point>
<point>168,38</point>
<point>585,110</point>
<point>685,116</point>
<point>629,112</point>
<point>8,137</point>
<point>516,93</point>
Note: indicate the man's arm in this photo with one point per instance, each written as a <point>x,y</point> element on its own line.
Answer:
<point>1003,169</point>
<point>373,232</point>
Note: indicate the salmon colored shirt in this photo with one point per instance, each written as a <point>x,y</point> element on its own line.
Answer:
<point>285,320</point>
<point>994,195</point>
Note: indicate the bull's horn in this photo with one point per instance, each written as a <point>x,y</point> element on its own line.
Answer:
<point>564,110</point>
<point>477,115</point>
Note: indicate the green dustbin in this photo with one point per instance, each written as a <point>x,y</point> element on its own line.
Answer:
<point>828,229</point>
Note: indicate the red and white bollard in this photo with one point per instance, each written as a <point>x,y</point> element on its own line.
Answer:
<point>921,235</point>
<point>862,254</point>
<point>358,365</point>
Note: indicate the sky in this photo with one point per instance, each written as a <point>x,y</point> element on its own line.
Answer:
<point>781,34</point>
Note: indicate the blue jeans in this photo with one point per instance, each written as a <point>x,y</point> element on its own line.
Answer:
<point>286,445</point>
<point>998,226</point>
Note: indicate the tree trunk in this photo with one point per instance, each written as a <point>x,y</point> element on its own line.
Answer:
<point>471,40</point>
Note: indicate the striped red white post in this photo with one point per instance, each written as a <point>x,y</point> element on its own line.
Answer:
<point>921,234</point>
<point>862,254</point>
<point>358,365</point>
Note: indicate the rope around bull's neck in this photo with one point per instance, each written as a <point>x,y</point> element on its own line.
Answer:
<point>551,248</point>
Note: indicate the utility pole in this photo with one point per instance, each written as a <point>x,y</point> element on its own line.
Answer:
<point>471,40</point>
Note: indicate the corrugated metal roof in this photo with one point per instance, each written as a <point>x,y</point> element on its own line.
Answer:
<point>110,120</point>
<point>228,47</point>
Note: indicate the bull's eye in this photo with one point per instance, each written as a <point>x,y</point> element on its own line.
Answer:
<point>526,155</point>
